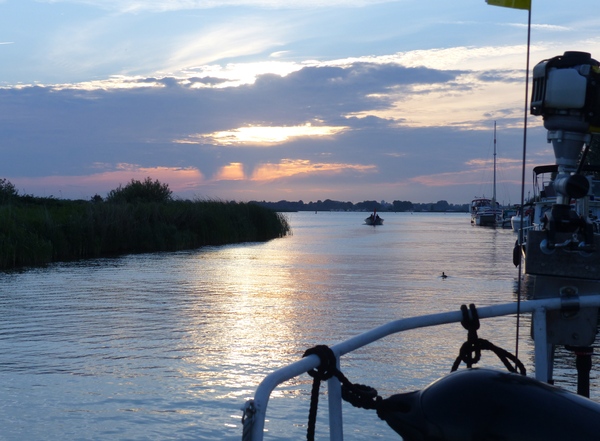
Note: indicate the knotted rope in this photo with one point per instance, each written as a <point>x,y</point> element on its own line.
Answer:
<point>358,395</point>
<point>470,351</point>
<point>248,420</point>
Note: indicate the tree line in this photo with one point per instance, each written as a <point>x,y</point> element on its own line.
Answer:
<point>331,205</point>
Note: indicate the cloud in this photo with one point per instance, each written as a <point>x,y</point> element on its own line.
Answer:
<point>239,37</point>
<point>330,127</point>
<point>231,172</point>
<point>293,167</point>
<point>278,54</point>
<point>175,5</point>
<point>538,27</point>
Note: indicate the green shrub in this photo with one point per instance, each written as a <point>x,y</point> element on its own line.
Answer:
<point>137,191</point>
<point>8,192</point>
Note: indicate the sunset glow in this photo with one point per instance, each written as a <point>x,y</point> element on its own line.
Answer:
<point>263,135</point>
<point>104,180</point>
<point>289,167</point>
<point>231,172</point>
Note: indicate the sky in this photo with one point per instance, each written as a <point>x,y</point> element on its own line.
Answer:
<point>242,100</point>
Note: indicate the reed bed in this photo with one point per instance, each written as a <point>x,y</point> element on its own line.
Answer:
<point>37,231</point>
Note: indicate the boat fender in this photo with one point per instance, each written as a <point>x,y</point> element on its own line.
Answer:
<point>485,404</point>
<point>517,254</point>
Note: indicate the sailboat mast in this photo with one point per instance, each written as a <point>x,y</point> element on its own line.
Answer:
<point>494,190</point>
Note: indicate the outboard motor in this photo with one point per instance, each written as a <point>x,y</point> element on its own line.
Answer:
<point>566,93</point>
<point>565,256</point>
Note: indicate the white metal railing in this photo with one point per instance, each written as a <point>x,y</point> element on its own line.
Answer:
<point>255,410</point>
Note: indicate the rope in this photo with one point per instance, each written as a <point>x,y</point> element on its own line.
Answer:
<point>359,395</point>
<point>323,372</point>
<point>470,351</point>
<point>248,419</point>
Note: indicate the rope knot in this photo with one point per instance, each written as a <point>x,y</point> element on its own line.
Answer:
<point>470,321</point>
<point>470,351</point>
<point>327,368</point>
<point>358,395</point>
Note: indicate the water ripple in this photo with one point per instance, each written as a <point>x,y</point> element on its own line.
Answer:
<point>169,345</point>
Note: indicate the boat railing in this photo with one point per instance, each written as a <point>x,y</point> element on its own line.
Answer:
<point>255,409</point>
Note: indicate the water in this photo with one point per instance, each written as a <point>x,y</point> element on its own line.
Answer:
<point>170,345</point>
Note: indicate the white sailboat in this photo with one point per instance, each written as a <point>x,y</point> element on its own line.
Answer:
<point>486,212</point>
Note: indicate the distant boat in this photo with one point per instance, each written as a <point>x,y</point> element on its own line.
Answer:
<point>374,219</point>
<point>521,219</point>
<point>487,212</point>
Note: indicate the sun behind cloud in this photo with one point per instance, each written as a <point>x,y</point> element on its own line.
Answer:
<point>262,135</point>
<point>231,172</point>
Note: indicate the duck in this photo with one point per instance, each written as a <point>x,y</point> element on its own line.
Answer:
<point>443,276</point>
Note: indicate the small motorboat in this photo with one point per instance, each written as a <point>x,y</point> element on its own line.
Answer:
<point>374,219</point>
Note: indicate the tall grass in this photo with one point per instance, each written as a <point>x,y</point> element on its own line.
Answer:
<point>37,231</point>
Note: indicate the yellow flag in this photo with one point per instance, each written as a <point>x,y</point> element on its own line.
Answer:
<point>516,4</point>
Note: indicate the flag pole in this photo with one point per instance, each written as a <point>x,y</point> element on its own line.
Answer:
<point>520,4</point>
<point>523,166</point>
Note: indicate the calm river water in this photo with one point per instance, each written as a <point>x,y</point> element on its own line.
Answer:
<point>170,345</point>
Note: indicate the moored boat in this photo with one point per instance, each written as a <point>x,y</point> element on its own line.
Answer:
<point>486,212</point>
<point>545,195</point>
<point>507,214</point>
<point>519,221</point>
<point>522,218</point>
